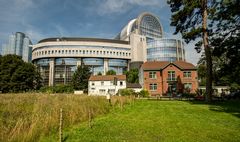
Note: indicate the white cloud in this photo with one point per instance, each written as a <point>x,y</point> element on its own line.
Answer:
<point>121,6</point>
<point>34,35</point>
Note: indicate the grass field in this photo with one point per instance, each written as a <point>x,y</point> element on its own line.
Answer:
<point>32,117</point>
<point>171,121</point>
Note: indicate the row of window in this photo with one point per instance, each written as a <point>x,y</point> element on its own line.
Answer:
<point>111,83</point>
<point>171,75</point>
<point>49,52</point>
<point>154,86</point>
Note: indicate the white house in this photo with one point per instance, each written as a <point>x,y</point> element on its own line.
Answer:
<point>104,84</point>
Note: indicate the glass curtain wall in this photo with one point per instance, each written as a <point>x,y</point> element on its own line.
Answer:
<point>43,68</point>
<point>95,64</point>
<point>164,50</point>
<point>150,27</point>
<point>64,70</point>
<point>118,65</point>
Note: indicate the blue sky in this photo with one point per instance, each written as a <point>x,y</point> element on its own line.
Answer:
<point>41,19</point>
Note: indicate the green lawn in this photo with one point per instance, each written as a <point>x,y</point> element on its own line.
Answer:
<point>152,121</point>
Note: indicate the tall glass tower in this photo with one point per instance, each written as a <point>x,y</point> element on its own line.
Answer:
<point>19,44</point>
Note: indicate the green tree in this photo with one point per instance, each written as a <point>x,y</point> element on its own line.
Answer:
<point>226,40</point>
<point>190,19</point>
<point>80,78</point>
<point>132,75</point>
<point>17,76</point>
<point>111,72</point>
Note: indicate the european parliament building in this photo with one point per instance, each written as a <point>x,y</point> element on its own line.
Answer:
<point>139,41</point>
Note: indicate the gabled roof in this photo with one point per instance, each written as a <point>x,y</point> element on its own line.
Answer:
<point>155,65</point>
<point>107,77</point>
<point>184,65</point>
<point>160,65</point>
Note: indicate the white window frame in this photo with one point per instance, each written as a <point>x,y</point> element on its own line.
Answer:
<point>152,74</point>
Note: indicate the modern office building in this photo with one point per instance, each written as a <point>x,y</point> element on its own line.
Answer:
<point>19,44</point>
<point>140,40</point>
<point>158,48</point>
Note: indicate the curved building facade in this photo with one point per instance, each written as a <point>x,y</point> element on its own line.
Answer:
<point>148,26</point>
<point>57,59</point>
<point>139,41</point>
<point>165,50</point>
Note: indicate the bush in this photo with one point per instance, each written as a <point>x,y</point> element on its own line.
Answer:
<point>144,93</point>
<point>126,92</point>
<point>189,95</point>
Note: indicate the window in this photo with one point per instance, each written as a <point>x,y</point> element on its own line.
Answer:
<point>187,87</point>
<point>102,91</point>
<point>171,76</point>
<point>111,91</point>
<point>152,75</point>
<point>121,83</point>
<point>102,82</point>
<point>93,83</point>
<point>153,87</point>
<point>92,88</point>
<point>187,74</point>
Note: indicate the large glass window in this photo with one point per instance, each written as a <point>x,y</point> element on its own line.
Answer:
<point>150,27</point>
<point>118,65</point>
<point>64,70</point>
<point>43,67</point>
<point>164,50</point>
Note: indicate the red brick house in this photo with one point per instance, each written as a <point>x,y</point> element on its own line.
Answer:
<point>168,78</point>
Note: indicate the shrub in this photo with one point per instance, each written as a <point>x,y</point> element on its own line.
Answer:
<point>126,92</point>
<point>144,93</point>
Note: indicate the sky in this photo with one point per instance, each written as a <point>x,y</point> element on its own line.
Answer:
<point>40,19</point>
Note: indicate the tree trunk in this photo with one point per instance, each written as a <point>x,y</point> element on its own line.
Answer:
<point>208,55</point>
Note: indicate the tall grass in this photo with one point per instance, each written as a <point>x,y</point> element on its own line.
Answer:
<point>28,117</point>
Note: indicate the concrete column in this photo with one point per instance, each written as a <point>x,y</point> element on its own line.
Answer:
<point>128,65</point>
<point>51,72</point>
<point>79,62</point>
<point>105,66</point>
